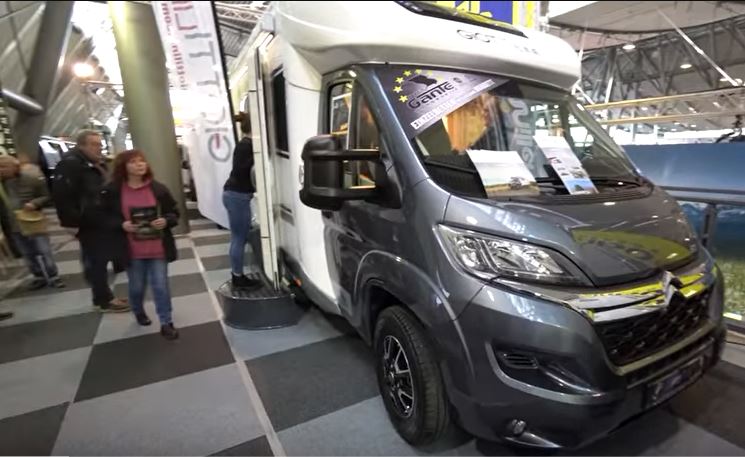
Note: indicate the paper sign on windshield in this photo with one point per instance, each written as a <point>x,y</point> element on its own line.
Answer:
<point>422,96</point>
<point>503,173</point>
<point>570,170</point>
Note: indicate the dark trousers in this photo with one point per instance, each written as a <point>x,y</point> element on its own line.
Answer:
<point>95,268</point>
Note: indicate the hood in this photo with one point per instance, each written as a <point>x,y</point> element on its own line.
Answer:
<point>612,242</point>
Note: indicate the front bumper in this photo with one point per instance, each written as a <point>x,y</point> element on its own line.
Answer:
<point>589,399</point>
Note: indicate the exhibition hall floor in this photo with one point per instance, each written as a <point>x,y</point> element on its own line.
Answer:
<point>76,382</point>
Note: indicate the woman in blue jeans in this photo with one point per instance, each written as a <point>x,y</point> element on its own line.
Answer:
<point>145,211</point>
<point>236,197</point>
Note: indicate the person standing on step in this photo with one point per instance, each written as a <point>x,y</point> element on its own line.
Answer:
<point>78,180</point>
<point>145,211</point>
<point>26,192</point>
<point>237,194</point>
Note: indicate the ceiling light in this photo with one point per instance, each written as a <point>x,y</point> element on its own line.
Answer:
<point>686,66</point>
<point>716,104</point>
<point>629,46</point>
<point>692,125</point>
<point>645,108</point>
<point>83,70</point>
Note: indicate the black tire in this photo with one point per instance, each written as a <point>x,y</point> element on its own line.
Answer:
<point>427,417</point>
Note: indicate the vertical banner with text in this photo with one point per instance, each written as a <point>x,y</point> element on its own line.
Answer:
<point>189,35</point>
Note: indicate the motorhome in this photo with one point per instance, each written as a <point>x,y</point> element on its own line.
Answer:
<point>388,136</point>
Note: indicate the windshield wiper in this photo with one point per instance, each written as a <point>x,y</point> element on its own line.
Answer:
<point>627,180</point>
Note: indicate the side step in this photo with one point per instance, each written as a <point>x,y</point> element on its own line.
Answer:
<point>260,309</point>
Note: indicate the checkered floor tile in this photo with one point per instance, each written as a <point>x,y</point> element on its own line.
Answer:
<point>75,382</point>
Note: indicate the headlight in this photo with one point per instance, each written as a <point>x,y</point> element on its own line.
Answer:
<point>488,257</point>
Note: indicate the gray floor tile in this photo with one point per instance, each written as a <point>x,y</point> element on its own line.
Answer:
<point>208,232</point>
<point>178,268</point>
<point>187,311</point>
<point>314,327</point>
<point>221,262</point>
<point>308,382</point>
<point>198,414</point>
<point>32,433</point>
<point>134,362</point>
<point>215,239</point>
<point>40,382</point>
<point>180,286</point>
<point>48,336</point>
<point>41,307</point>
<point>216,278</point>
<point>213,250</point>
<point>360,429</point>
<point>258,447</point>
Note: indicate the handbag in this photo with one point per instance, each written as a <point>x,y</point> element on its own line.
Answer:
<point>31,223</point>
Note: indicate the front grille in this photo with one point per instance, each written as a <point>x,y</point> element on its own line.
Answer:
<point>628,340</point>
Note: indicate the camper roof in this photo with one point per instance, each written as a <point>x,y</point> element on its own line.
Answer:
<point>333,35</point>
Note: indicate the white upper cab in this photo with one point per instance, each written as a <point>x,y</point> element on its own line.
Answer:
<point>333,35</point>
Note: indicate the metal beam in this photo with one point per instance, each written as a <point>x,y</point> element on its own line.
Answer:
<point>21,102</point>
<point>668,98</point>
<point>667,118</point>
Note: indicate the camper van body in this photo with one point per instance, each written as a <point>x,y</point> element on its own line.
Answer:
<point>529,359</point>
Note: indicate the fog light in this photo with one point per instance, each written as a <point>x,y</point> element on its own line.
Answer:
<point>517,427</point>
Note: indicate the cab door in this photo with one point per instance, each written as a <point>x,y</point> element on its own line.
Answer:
<point>359,226</point>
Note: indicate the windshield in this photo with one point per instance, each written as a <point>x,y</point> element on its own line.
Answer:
<point>508,136</point>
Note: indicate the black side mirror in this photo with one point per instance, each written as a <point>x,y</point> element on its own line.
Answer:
<point>323,176</point>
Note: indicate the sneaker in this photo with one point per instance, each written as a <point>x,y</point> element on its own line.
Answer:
<point>142,319</point>
<point>114,306</point>
<point>169,332</point>
<point>38,283</point>
<point>5,315</point>
<point>244,282</point>
<point>57,283</point>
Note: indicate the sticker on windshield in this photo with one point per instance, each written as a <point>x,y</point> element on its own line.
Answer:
<point>503,173</point>
<point>570,170</point>
<point>423,96</point>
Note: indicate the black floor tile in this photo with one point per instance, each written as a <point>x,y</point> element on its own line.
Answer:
<point>181,286</point>
<point>258,447</point>
<point>221,262</point>
<point>135,362</point>
<point>716,403</point>
<point>34,339</point>
<point>308,382</point>
<point>193,213</point>
<point>215,239</point>
<point>75,281</point>
<point>33,433</point>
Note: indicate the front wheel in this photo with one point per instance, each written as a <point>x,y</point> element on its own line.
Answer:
<point>409,377</point>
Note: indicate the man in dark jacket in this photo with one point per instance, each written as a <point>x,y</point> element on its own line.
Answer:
<point>78,180</point>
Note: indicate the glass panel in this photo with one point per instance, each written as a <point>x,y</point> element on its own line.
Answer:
<point>340,110</point>
<point>696,214</point>
<point>729,251</point>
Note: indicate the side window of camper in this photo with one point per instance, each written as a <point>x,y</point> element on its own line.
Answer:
<point>280,111</point>
<point>340,111</point>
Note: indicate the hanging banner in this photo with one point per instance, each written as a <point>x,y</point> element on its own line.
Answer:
<point>191,45</point>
